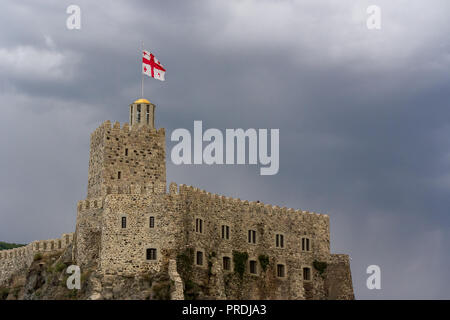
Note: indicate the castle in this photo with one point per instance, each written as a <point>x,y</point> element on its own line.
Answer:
<point>129,224</point>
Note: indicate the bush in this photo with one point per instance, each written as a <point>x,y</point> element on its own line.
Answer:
<point>72,294</point>
<point>320,266</point>
<point>185,260</point>
<point>263,261</point>
<point>162,291</point>
<point>37,256</point>
<point>4,292</point>
<point>59,267</point>
<point>191,290</point>
<point>240,261</point>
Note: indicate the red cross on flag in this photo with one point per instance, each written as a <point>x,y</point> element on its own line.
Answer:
<point>152,67</point>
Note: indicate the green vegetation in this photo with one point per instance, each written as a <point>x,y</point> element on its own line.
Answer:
<point>263,261</point>
<point>191,290</point>
<point>240,261</point>
<point>72,294</point>
<point>59,267</point>
<point>320,266</point>
<point>4,292</point>
<point>162,290</point>
<point>185,260</point>
<point>37,256</point>
<point>6,245</point>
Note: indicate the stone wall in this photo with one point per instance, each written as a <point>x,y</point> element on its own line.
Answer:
<point>121,157</point>
<point>123,250</point>
<point>268,221</point>
<point>139,192</point>
<point>19,259</point>
<point>88,232</point>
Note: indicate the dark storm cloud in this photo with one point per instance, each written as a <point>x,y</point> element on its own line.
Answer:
<point>363,115</point>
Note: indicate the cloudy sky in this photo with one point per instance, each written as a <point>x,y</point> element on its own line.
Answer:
<point>363,115</point>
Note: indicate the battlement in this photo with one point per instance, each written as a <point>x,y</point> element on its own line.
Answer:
<point>125,129</point>
<point>17,259</point>
<point>245,205</point>
<point>39,245</point>
<point>94,203</point>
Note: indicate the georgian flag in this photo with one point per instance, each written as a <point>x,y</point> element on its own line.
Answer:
<point>152,67</point>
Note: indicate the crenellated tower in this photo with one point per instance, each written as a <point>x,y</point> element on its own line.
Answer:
<point>127,156</point>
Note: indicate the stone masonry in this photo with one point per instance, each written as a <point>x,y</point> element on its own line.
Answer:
<point>129,225</point>
<point>211,246</point>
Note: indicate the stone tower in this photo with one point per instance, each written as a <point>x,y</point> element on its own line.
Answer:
<point>127,156</point>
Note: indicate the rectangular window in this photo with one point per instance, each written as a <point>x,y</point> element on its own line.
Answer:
<point>305,244</point>
<point>148,114</point>
<point>151,254</point>
<point>131,115</point>
<point>119,174</point>
<point>199,225</point>
<point>126,152</point>
<point>225,232</point>
<point>124,222</point>
<point>139,113</point>
<point>226,263</point>
<point>251,236</point>
<point>306,274</point>
<point>152,222</point>
<point>252,267</point>
<point>199,258</point>
<point>280,270</point>
<point>279,241</point>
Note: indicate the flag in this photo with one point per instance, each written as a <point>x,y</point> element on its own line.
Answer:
<point>152,67</point>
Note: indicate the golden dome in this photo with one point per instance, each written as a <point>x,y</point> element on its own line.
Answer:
<point>141,101</point>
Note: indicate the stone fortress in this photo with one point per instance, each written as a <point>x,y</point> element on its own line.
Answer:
<point>130,225</point>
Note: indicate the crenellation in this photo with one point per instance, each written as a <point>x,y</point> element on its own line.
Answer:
<point>130,224</point>
<point>18,259</point>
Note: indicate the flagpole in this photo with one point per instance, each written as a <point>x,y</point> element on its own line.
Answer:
<point>142,74</point>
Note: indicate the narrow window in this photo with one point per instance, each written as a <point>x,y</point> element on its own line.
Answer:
<point>306,274</point>
<point>252,267</point>
<point>199,225</point>
<point>152,222</point>
<point>306,244</point>
<point>151,254</point>
<point>225,232</point>
<point>251,236</point>
<point>199,258</point>
<point>279,241</point>
<point>280,270</point>
<point>139,113</point>
<point>131,114</point>
<point>124,222</point>
<point>119,174</point>
<point>126,152</point>
<point>148,114</point>
<point>226,263</point>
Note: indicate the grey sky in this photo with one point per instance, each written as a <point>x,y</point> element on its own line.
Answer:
<point>363,115</point>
